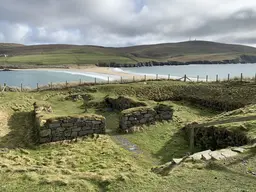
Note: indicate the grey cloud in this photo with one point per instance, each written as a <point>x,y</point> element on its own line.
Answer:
<point>119,23</point>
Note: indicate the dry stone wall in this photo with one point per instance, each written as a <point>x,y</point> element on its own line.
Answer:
<point>144,115</point>
<point>63,128</point>
<point>122,103</point>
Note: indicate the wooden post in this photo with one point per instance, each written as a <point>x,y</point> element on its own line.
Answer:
<point>241,77</point>
<point>197,78</point>
<point>133,78</point>
<point>80,81</point>
<point>156,76</point>
<point>21,87</point>
<point>121,79</point>
<point>145,77</point>
<point>37,87</point>
<point>169,76</point>
<point>108,80</point>
<point>66,83</point>
<point>192,139</point>
<point>228,77</point>
<point>206,78</point>
<point>255,77</point>
<point>217,78</point>
<point>185,78</point>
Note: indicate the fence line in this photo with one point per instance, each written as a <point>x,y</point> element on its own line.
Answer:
<point>185,78</point>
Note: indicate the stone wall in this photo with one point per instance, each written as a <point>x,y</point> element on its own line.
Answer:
<point>122,103</point>
<point>144,115</point>
<point>63,128</point>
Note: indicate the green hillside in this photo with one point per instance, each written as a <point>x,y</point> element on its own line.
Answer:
<point>57,54</point>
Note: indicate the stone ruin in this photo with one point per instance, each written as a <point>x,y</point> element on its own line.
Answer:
<point>65,128</point>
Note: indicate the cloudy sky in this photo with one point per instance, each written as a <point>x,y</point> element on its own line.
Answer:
<point>127,22</point>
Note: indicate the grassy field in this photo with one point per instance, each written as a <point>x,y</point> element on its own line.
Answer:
<point>104,163</point>
<point>81,54</point>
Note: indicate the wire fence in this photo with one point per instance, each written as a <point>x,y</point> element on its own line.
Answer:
<point>124,80</point>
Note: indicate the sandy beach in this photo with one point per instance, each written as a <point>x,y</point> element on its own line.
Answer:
<point>112,72</point>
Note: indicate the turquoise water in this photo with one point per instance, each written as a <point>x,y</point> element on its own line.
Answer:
<point>192,71</point>
<point>30,78</point>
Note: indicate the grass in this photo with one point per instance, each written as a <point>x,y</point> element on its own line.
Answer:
<point>100,163</point>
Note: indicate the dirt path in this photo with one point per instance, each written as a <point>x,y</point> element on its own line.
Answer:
<point>126,144</point>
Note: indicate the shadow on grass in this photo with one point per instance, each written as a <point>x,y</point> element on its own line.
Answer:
<point>21,131</point>
<point>175,147</point>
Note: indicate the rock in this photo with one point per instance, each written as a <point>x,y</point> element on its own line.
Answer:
<point>177,161</point>
<point>238,149</point>
<point>216,155</point>
<point>45,132</point>
<point>206,156</point>
<point>199,155</point>
<point>228,153</point>
<point>74,134</point>
<point>54,125</point>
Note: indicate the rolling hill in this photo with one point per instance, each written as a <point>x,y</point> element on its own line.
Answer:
<point>58,54</point>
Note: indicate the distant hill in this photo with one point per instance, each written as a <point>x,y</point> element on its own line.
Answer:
<point>56,54</point>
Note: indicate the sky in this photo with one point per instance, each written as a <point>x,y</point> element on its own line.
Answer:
<point>127,22</point>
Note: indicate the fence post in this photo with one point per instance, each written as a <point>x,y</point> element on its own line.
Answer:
<point>145,77</point>
<point>228,77</point>
<point>197,78</point>
<point>192,139</point>
<point>241,77</point>
<point>156,76</point>
<point>169,76</point>
<point>95,80</point>
<point>185,78</point>
<point>217,78</point>
<point>80,81</point>
<point>133,78</point>
<point>255,77</point>
<point>121,79</point>
<point>108,80</point>
<point>206,78</point>
<point>66,83</point>
<point>21,87</point>
<point>37,87</point>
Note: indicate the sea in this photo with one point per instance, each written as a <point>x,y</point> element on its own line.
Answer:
<point>30,78</point>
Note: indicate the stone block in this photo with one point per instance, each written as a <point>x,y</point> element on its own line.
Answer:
<point>45,132</point>
<point>131,118</point>
<point>147,115</point>
<point>76,129</point>
<point>67,133</point>
<point>143,120</point>
<point>67,125</point>
<point>74,134</point>
<point>60,129</point>
<point>54,125</point>
<point>83,133</point>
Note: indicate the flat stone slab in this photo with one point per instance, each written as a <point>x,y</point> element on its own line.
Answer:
<point>199,155</point>
<point>238,149</point>
<point>228,153</point>
<point>206,156</point>
<point>216,155</point>
<point>177,161</point>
